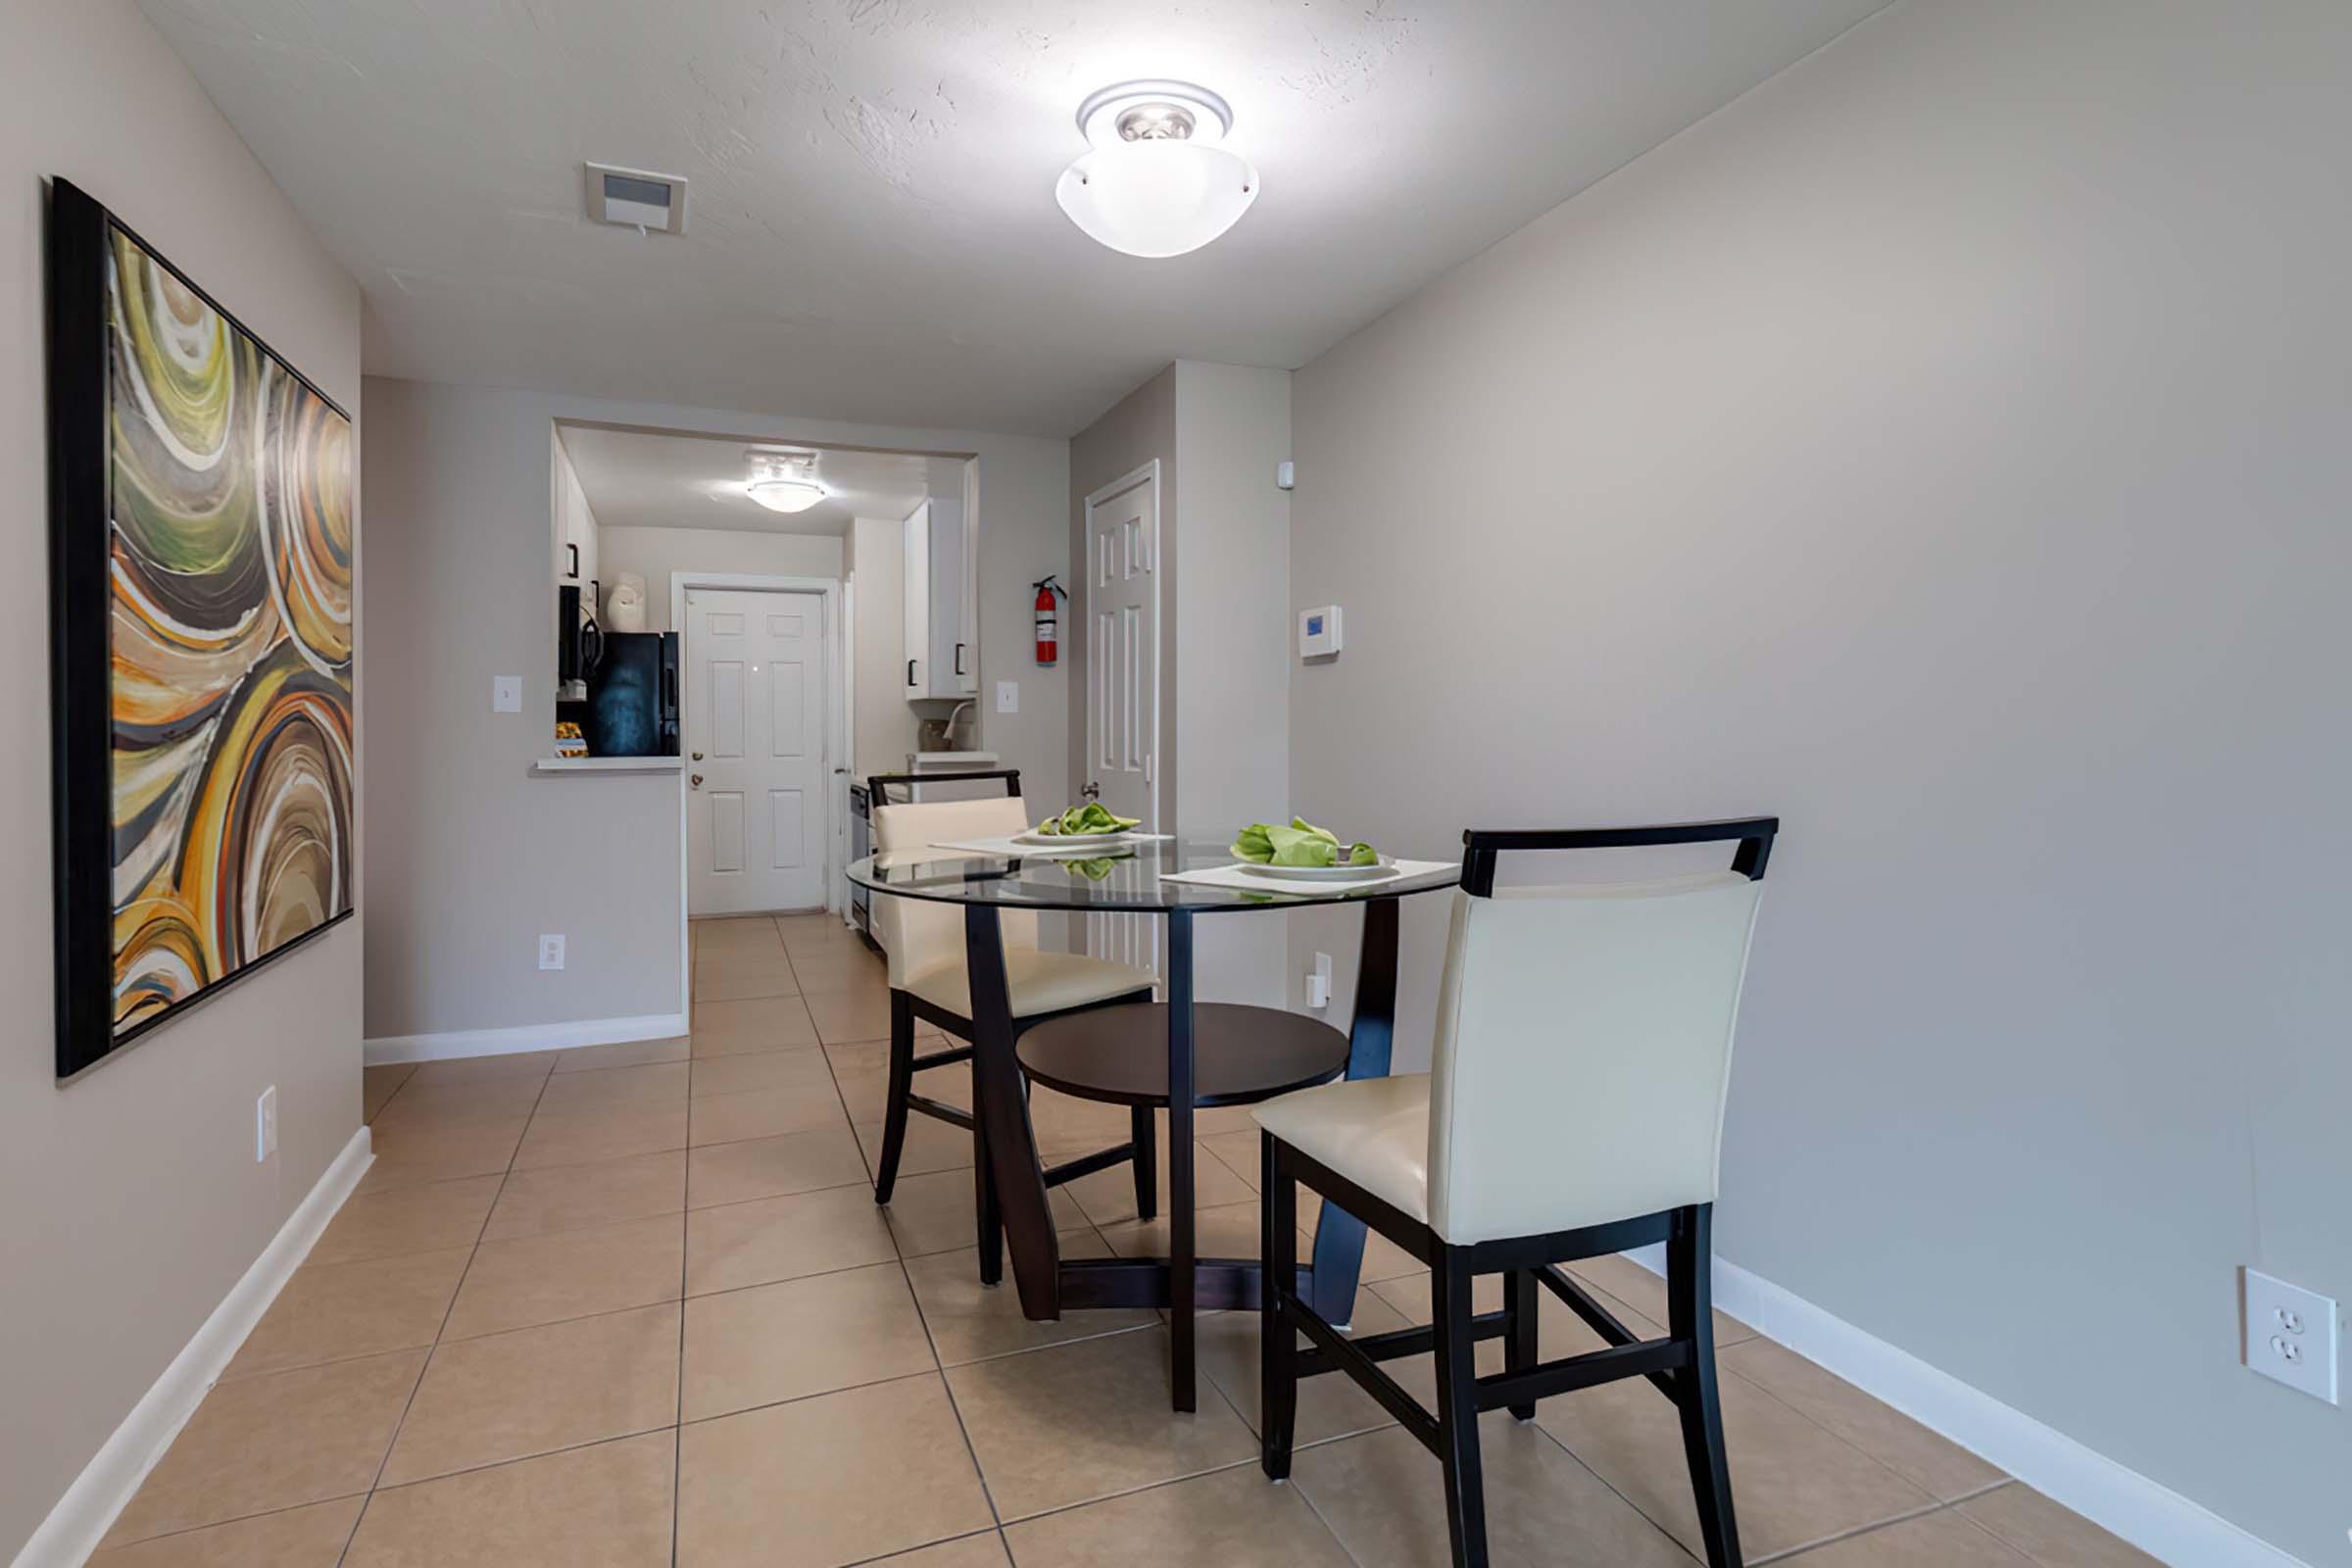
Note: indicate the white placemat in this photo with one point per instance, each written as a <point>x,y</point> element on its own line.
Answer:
<point>1232,876</point>
<point>1008,847</point>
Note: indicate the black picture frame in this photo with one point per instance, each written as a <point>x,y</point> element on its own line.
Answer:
<point>80,650</point>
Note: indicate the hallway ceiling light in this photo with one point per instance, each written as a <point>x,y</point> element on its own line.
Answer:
<point>784,481</point>
<point>1159,183</point>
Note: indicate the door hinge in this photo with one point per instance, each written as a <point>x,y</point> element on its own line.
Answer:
<point>1148,761</point>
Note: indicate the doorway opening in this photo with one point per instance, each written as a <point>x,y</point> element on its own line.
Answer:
<point>780,566</point>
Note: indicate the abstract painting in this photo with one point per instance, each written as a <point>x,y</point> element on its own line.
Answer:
<point>202,637</point>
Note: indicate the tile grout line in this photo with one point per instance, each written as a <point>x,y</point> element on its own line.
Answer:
<point>410,1404</point>
<point>938,1368</point>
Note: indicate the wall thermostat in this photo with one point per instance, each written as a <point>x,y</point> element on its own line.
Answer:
<point>1319,632</point>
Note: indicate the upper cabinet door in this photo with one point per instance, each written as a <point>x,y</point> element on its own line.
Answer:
<point>917,622</point>
<point>971,577</point>
<point>953,659</point>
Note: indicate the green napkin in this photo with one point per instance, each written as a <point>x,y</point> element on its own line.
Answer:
<point>1092,818</point>
<point>1300,844</point>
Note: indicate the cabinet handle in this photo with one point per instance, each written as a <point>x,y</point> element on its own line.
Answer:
<point>910,672</point>
<point>959,659</point>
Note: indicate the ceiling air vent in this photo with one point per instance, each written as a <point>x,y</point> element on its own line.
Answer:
<point>635,198</point>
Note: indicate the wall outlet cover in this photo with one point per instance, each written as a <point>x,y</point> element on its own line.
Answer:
<point>551,953</point>
<point>505,694</point>
<point>2290,1335</point>
<point>1008,697</point>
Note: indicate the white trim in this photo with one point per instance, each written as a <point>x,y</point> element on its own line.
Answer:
<point>2153,1517</point>
<point>90,1506</point>
<point>837,723</point>
<point>605,765</point>
<point>387,1050</point>
<point>1155,763</point>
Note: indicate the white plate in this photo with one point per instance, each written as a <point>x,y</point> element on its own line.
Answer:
<point>1050,839</point>
<point>1321,873</point>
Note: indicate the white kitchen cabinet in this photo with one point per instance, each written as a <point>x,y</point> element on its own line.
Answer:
<point>943,655</point>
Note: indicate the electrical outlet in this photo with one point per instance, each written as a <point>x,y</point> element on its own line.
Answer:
<point>265,1125</point>
<point>551,953</point>
<point>1318,982</point>
<point>505,694</point>
<point>2290,1335</point>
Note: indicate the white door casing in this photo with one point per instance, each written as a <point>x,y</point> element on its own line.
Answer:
<point>757,737</point>
<point>1123,681</point>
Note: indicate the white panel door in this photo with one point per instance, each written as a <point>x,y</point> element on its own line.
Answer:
<point>1122,684</point>
<point>756,770</point>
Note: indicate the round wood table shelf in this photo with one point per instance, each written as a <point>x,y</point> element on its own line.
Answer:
<point>1241,1054</point>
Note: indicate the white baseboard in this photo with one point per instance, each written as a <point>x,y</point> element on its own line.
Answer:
<point>2153,1517</point>
<point>391,1049</point>
<point>87,1510</point>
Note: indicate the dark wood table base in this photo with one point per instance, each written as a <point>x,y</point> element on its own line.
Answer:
<point>1179,1284</point>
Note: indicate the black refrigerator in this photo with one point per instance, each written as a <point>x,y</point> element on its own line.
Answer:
<point>633,696</point>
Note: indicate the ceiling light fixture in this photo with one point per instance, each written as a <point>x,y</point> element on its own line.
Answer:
<point>784,481</point>
<point>1157,181</point>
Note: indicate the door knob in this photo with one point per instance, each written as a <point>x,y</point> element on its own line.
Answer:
<point>1093,790</point>
<point>694,779</point>
<point>697,756</point>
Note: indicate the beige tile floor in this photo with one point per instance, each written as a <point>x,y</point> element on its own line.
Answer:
<point>634,1306</point>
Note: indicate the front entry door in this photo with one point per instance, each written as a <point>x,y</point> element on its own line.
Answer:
<point>1123,683</point>
<point>755,764</point>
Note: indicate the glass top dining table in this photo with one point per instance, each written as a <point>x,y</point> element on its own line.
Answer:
<point>1134,880</point>
<point>1127,878</point>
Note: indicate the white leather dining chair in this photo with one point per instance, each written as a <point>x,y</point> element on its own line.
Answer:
<point>1574,1107</point>
<point>923,943</point>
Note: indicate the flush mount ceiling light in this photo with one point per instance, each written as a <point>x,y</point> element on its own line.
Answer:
<point>1159,183</point>
<point>784,481</point>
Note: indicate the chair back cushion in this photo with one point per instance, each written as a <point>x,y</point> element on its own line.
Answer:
<point>1584,1046</point>
<point>918,934</point>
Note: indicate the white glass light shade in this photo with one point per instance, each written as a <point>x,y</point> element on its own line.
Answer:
<point>785,495</point>
<point>1157,198</point>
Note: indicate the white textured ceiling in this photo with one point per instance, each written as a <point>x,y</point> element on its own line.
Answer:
<point>872,231</point>
<point>645,479</point>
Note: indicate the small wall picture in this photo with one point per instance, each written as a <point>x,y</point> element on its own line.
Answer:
<point>201,617</point>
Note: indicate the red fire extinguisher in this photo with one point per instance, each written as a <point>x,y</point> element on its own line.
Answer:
<point>1048,622</point>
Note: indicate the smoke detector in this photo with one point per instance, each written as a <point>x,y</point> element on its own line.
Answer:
<point>635,198</point>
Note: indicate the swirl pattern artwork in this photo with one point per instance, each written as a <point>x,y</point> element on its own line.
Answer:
<point>229,543</point>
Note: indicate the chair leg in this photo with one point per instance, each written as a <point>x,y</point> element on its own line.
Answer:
<point>1691,1317</point>
<point>1145,1123</point>
<point>1277,1342</point>
<point>1456,1347</point>
<point>1519,1341</point>
<point>894,1105</point>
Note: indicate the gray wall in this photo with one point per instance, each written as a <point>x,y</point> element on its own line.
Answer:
<point>655,553</point>
<point>1217,431</point>
<point>476,855</point>
<point>1945,446</point>
<point>130,1202</point>
<point>885,730</point>
<point>1231,643</point>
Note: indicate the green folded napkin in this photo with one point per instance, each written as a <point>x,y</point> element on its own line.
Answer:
<point>1092,818</point>
<point>1300,844</point>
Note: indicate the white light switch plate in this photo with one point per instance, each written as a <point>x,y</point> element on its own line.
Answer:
<point>1008,697</point>
<point>265,1125</point>
<point>505,694</point>
<point>2290,1335</point>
